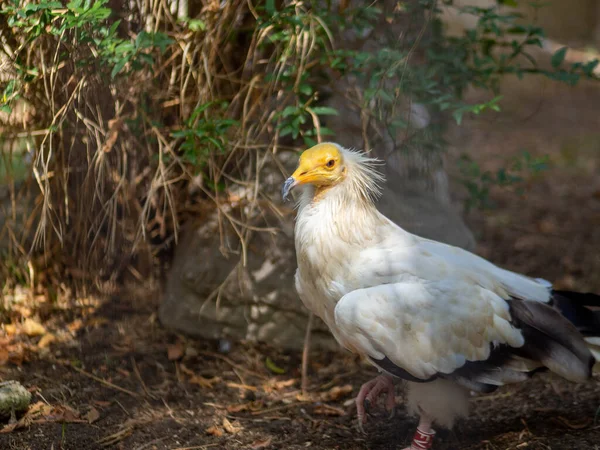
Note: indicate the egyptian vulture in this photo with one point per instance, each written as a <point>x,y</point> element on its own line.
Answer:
<point>441,318</point>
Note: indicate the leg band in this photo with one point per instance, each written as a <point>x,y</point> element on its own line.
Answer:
<point>422,440</point>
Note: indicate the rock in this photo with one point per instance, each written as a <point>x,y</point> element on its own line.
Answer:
<point>210,294</point>
<point>13,398</point>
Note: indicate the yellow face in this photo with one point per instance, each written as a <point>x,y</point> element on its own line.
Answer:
<point>321,165</point>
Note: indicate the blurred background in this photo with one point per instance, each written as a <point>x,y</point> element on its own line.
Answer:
<point>142,149</point>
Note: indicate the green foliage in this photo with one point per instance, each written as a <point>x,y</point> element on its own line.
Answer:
<point>298,74</point>
<point>499,45</point>
<point>205,133</point>
<point>88,35</point>
<point>517,171</point>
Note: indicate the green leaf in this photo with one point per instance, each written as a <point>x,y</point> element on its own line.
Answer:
<point>196,25</point>
<point>559,57</point>
<point>458,115</point>
<point>305,89</point>
<point>289,110</point>
<point>273,367</point>
<point>308,141</point>
<point>118,67</point>
<point>325,111</point>
<point>270,7</point>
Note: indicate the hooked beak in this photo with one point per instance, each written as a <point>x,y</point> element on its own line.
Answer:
<point>289,184</point>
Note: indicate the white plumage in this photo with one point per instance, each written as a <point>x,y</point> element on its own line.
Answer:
<point>416,308</point>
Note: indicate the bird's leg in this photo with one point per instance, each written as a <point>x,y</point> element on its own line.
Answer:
<point>423,438</point>
<point>368,395</point>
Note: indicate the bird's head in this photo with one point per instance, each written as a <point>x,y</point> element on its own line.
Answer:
<point>322,166</point>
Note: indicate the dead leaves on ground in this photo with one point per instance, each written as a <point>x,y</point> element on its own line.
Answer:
<point>573,425</point>
<point>226,426</point>
<point>175,351</point>
<point>336,393</point>
<point>19,341</point>
<point>12,352</point>
<point>40,413</point>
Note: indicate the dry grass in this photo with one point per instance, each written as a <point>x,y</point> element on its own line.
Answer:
<point>108,185</point>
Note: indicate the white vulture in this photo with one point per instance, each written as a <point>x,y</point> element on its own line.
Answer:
<point>441,318</point>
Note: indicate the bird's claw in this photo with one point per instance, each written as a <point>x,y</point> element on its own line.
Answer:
<point>368,394</point>
<point>361,428</point>
<point>367,404</point>
<point>392,413</point>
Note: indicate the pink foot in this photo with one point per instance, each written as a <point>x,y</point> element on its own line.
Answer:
<point>368,394</point>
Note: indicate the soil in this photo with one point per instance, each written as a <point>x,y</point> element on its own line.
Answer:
<point>115,378</point>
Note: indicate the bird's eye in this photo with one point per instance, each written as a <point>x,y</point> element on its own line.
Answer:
<point>330,163</point>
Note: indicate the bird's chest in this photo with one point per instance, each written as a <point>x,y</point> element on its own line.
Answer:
<point>323,267</point>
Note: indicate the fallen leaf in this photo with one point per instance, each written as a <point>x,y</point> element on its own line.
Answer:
<point>101,403</point>
<point>123,372</point>
<point>337,392</point>
<point>63,413</point>
<point>215,431</point>
<point>46,340</point>
<point>92,415</point>
<point>238,408</point>
<point>584,423</point>
<point>16,354</point>
<point>229,427</point>
<point>32,328</point>
<point>10,328</point>
<point>3,356</point>
<point>204,382</point>
<point>241,386</point>
<point>187,371</point>
<point>175,351</point>
<point>328,410</point>
<point>285,383</point>
<point>256,445</point>
<point>41,412</point>
<point>75,325</point>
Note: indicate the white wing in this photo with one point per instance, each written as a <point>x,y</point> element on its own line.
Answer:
<point>514,284</point>
<point>398,256</point>
<point>425,328</point>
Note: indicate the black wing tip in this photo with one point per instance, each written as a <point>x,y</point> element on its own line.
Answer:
<point>391,368</point>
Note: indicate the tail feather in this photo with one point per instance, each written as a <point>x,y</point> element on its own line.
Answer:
<point>594,346</point>
<point>583,311</point>
<point>552,340</point>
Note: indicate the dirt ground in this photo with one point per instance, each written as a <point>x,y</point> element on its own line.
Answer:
<point>113,378</point>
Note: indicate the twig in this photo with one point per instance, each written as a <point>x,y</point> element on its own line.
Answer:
<point>122,407</point>
<point>104,382</point>
<point>198,447</point>
<point>278,408</point>
<point>139,377</point>
<point>148,444</point>
<point>305,354</point>
<point>232,364</point>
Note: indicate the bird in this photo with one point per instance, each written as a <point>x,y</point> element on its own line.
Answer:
<point>442,319</point>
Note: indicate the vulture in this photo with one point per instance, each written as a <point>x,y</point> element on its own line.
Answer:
<point>443,319</point>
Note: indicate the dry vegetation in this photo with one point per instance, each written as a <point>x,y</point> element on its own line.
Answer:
<point>134,129</point>
<point>111,179</point>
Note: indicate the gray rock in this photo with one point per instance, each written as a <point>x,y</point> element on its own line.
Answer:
<point>211,294</point>
<point>13,398</point>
